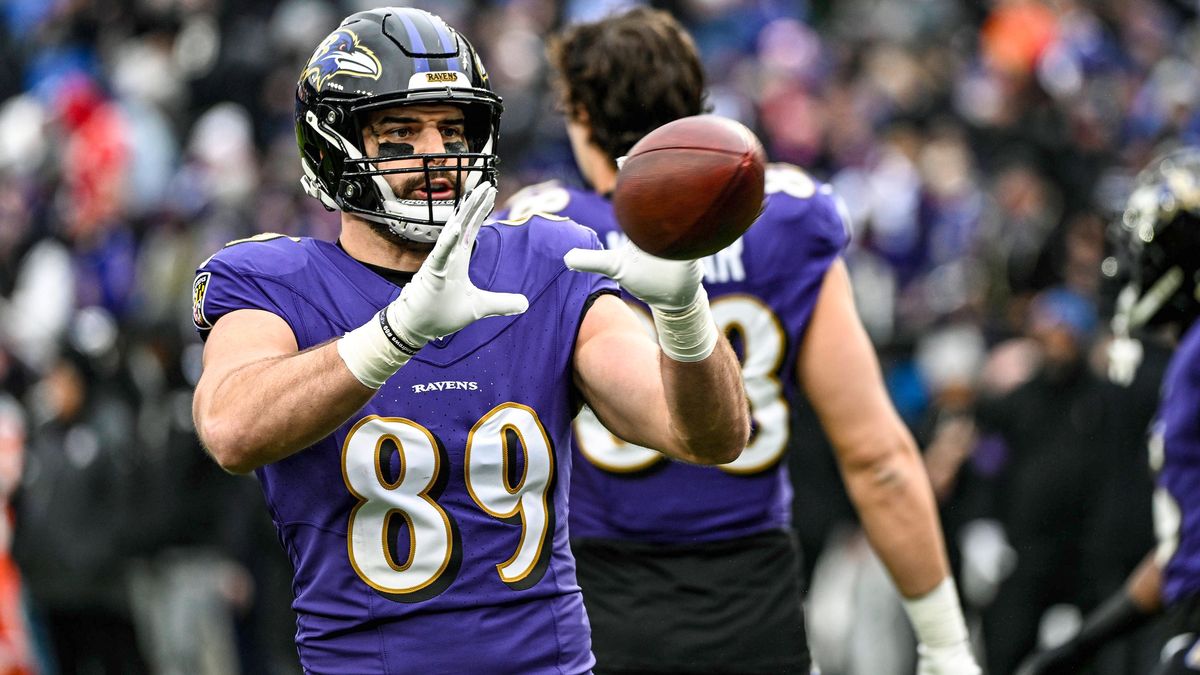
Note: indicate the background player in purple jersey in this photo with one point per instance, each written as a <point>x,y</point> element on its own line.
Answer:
<point>660,543</point>
<point>1161,233</point>
<point>405,395</point>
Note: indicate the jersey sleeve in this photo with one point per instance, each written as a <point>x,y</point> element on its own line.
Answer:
<point>802,236</point>
<point>549,197</point>
<point>225,283</point>
<point>826,226</point>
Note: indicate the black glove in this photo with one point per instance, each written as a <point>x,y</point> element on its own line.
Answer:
<point>1116,617</point>
<point>1065,659</point>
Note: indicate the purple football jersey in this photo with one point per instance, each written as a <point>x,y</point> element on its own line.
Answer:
<point>428,533</point>
<point>763,289</point>
<point>1175,443</point>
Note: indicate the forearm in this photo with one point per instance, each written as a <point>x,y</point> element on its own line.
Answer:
<point>685,398</point>
<point>706,402</point>
<point>271,408</point>
<point>702,384</point>
<point>692,409</point>
<point>895,503</point>
<point>1145,585</point>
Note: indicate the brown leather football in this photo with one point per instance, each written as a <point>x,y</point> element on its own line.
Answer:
<point>690,187</point>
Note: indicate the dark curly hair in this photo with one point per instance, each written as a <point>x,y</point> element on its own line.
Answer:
<point>630,73</point>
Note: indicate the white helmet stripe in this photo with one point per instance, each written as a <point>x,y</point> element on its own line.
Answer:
<point>1158,294</point>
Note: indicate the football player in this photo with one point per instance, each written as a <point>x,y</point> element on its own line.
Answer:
<point>1161,233</point>
<point>661,544</point>
<point>405,394</point>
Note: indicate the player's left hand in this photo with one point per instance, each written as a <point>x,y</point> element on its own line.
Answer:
<point>669,285</point>
<point>950,660</point>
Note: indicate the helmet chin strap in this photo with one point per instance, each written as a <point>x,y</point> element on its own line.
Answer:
<point>412,230</point>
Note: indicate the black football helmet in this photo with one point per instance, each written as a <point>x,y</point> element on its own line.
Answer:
<point>378,59</point>
<point>1157,255</point>
<point>1160,244</point>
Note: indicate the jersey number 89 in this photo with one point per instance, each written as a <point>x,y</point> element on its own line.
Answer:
<point>386,501</point>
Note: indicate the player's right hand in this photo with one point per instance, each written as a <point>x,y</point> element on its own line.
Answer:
<point>441,299</point>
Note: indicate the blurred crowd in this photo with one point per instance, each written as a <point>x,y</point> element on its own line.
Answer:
<point>982,150</point>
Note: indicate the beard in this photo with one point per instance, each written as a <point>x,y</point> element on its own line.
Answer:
<point>404,186</point>
<point>407,189</point>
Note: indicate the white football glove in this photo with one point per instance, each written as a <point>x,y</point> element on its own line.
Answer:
<point>672,289</point>
<point>669,285</point>
<point>952,660</point>
<point>439,300</point>
<point>937,619</point>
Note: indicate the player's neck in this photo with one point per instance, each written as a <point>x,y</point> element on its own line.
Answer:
<point>598,168</point>
<point>604,179</point>
<point>366,244</point>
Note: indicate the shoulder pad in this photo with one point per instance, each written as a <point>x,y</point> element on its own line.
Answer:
<point>547,197</point>
<point>261,237</point>
<point>521,220</point>
<point>265,236</point>
<point>790,180</point>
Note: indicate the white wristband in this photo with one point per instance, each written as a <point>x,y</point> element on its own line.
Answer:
<point>689,334</point>
<point>371,355</point>
<point>937,617</point>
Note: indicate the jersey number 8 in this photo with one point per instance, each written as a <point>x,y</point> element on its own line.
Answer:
<point>764,347</point>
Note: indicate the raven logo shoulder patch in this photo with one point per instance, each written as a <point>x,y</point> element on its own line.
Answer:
<point>199,288</point>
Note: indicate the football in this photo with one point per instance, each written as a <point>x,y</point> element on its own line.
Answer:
<point>690,187</point>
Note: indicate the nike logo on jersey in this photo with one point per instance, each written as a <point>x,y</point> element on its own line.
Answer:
<point>444,386</point>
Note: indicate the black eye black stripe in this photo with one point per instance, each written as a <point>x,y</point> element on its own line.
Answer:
<point>396,150</point>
